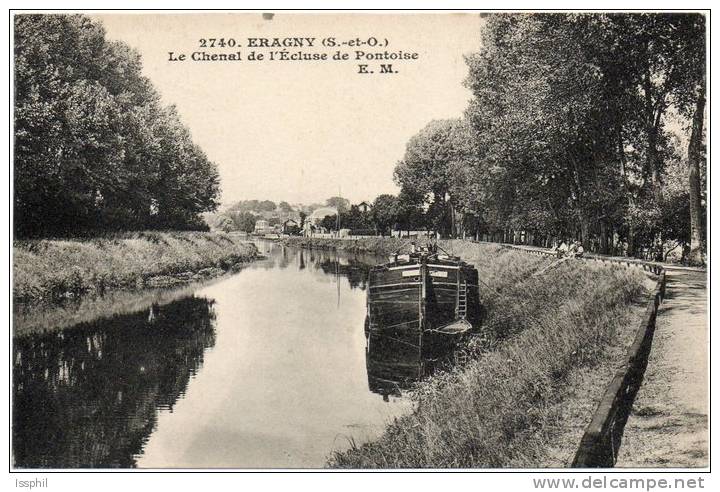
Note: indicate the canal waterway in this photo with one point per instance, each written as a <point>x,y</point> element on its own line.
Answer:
<point>264,368</point>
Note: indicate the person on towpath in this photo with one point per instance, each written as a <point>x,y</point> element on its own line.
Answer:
<point>561,250</point>
<point>572,248</point>
<point>578,250</point>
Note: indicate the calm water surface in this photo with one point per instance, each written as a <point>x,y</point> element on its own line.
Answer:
<point>265,368</point>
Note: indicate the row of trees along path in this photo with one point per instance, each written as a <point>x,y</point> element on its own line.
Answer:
<point>582,125</point>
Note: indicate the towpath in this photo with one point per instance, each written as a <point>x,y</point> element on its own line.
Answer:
<point>668,426</point>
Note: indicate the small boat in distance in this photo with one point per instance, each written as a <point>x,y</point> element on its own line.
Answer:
<point>424,299</point>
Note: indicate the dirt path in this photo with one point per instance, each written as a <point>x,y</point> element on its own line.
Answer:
<point>668,426</point>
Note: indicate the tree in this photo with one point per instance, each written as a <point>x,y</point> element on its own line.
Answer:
<point>329,222</point>
<point>354,219</point>
<point>292,230</point>
<point>410,215</point>
<point>338,203</point>
<point>695,159</point>
<point>384,213</point>
<point>570,118</point>
<point>663,57</point>
<point>433,168</point>
<point>267,206</point>
<point>244,221</point>
<point>222,222</point>
<point>688,94</point>
<point>184,182</point>
<point>540,114</point>
<point>285,207</point>
<point>674,209</point>
<point>94,149</point>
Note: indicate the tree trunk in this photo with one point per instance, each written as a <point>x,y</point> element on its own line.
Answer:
<point>697,227</point>
<point>585,232</point>
<point>631,230</point>
<point>603,237</point>
<point>453,231</point>
<point>653,115</point>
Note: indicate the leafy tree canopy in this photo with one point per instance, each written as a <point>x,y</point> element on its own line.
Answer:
<point>94,148</point>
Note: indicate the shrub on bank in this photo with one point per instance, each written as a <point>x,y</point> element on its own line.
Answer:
<point>499,408</point>
<point>56,269</point>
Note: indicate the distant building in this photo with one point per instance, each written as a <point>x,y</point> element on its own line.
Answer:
<point>262,226</point>
<point>312,221</point>
<point>364,206</point>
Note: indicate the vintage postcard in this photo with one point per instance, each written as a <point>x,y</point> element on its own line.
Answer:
<point>360,240</point>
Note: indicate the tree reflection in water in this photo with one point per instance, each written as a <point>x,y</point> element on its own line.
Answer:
<point>355,268</point>
<point>88,396</point>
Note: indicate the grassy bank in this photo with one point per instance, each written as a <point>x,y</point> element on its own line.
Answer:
<point>51,270</point>
<point>504,405</point>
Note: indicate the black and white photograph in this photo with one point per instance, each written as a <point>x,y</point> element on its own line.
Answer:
<point>359,240</point>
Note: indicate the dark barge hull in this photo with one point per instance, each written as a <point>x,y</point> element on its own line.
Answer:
<point>427,303</point>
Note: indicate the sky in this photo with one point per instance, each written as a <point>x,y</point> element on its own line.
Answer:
<point>305,131</point>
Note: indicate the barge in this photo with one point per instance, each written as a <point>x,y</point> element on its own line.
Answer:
<point>424,302</point>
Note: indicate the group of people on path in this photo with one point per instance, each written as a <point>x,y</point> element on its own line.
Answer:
<point>574,250</point>
<point>564,252</point>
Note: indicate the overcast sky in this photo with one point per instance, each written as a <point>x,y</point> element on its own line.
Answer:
<point>302,131</point>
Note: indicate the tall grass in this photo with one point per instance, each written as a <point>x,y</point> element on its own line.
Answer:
<point>56,269</point>
<point>500,407</point>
